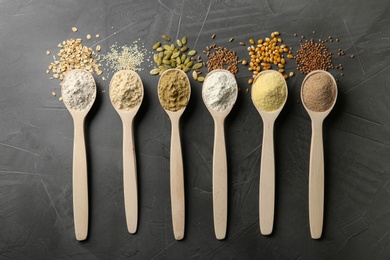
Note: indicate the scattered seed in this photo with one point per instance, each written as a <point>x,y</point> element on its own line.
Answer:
<point>250,81</point>
<point>97,35</point>
<point>98,48</point>
<point>198,66</point>
<point>352,56</point>
<point>213,36</point>
<point>291,73</point>
<point>192,53</point>
<point>156,45</point>
<point>242,43</point>
<point>231,39</point>
<point>53,94</point>
<point>165,38</point>
<point>47,71</point>
<point>155,71</point>
<point>285,76</point>
<point>179,43</point>
<point>341,74</point>
<point>295,35</point>
<point>48,52</point>
<point>247,90</point>
<point>200,79</point>
<point>314,31</point>
<point>74,29</point>
<point>184,40</point>
<point>89,36</point>
<point>60,99</point>
<point>195,75</point>
<point>244,62</point>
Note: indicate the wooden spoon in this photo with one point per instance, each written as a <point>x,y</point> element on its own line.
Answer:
<point>80,176</point>
<point>176,166</point>
<point>129,157</point>
<point>219,164</point>
<point>267,166</point>
<point>316,168</point>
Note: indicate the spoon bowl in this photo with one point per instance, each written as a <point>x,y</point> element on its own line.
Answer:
<point>219,159</point>
<point>80,175</point>
<point>316,168</point>
<point>127,116</point>
<point>267,166</point>
<point>176,160</point>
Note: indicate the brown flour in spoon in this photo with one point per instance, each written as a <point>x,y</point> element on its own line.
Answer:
<point>319,92</point>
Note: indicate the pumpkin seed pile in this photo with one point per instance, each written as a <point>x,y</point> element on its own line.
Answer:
<point>176,55</point>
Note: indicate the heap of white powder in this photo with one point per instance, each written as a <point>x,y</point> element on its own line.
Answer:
<point>78,89</point>
<point>219,90</point>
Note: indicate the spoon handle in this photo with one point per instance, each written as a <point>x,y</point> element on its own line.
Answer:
<point>130,176</point>
<point>316,181</point>
<point>267,180</point>
<point>177,182</point>
<point>80,181</point>
<point>219,180</point>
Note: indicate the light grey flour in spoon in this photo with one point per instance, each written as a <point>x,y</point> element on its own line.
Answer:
<point>78,90</point>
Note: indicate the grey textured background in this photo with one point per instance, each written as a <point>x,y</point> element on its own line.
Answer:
<point>36,133</point>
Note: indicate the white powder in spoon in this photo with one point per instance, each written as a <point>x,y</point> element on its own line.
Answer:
<point>219,90</point>
<point>78,89</point>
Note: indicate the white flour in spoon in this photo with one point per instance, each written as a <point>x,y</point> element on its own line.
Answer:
<point>78,90</point>
<point>219,90</point>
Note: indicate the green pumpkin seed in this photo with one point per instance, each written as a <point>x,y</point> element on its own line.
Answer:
<point>175,55</point>
<point>173,63</point>
<point>159,61</point>
<point>168,55</point>
<point>167,62</point>
<point>166,47</point>
<point>192,53</point>
<point>179,43</point>
<point>183,58</point>
<point>185,69</point>
<point>195,75</point>
<point>190,64</point>
<point>154,71</point>
<point>187,60</point>
<point>161,54</point>
<point>156,45</point>
<point>197,66</point>
<point>166,38</point>
<point>200,79</point>
<point>184,48</point>
<point>159,49</point>
<point>155,58</point>
<point>178,60</point>
<point>162,67</point>
<point>178,67</point>
<point>184,40</point>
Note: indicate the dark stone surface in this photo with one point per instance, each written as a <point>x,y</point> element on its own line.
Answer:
<point>36,133</point>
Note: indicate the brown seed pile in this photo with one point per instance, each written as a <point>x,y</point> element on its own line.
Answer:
<point>268,52</point>
<point>73,55</point>
<point>313,56</point>
<point>221,58</point>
